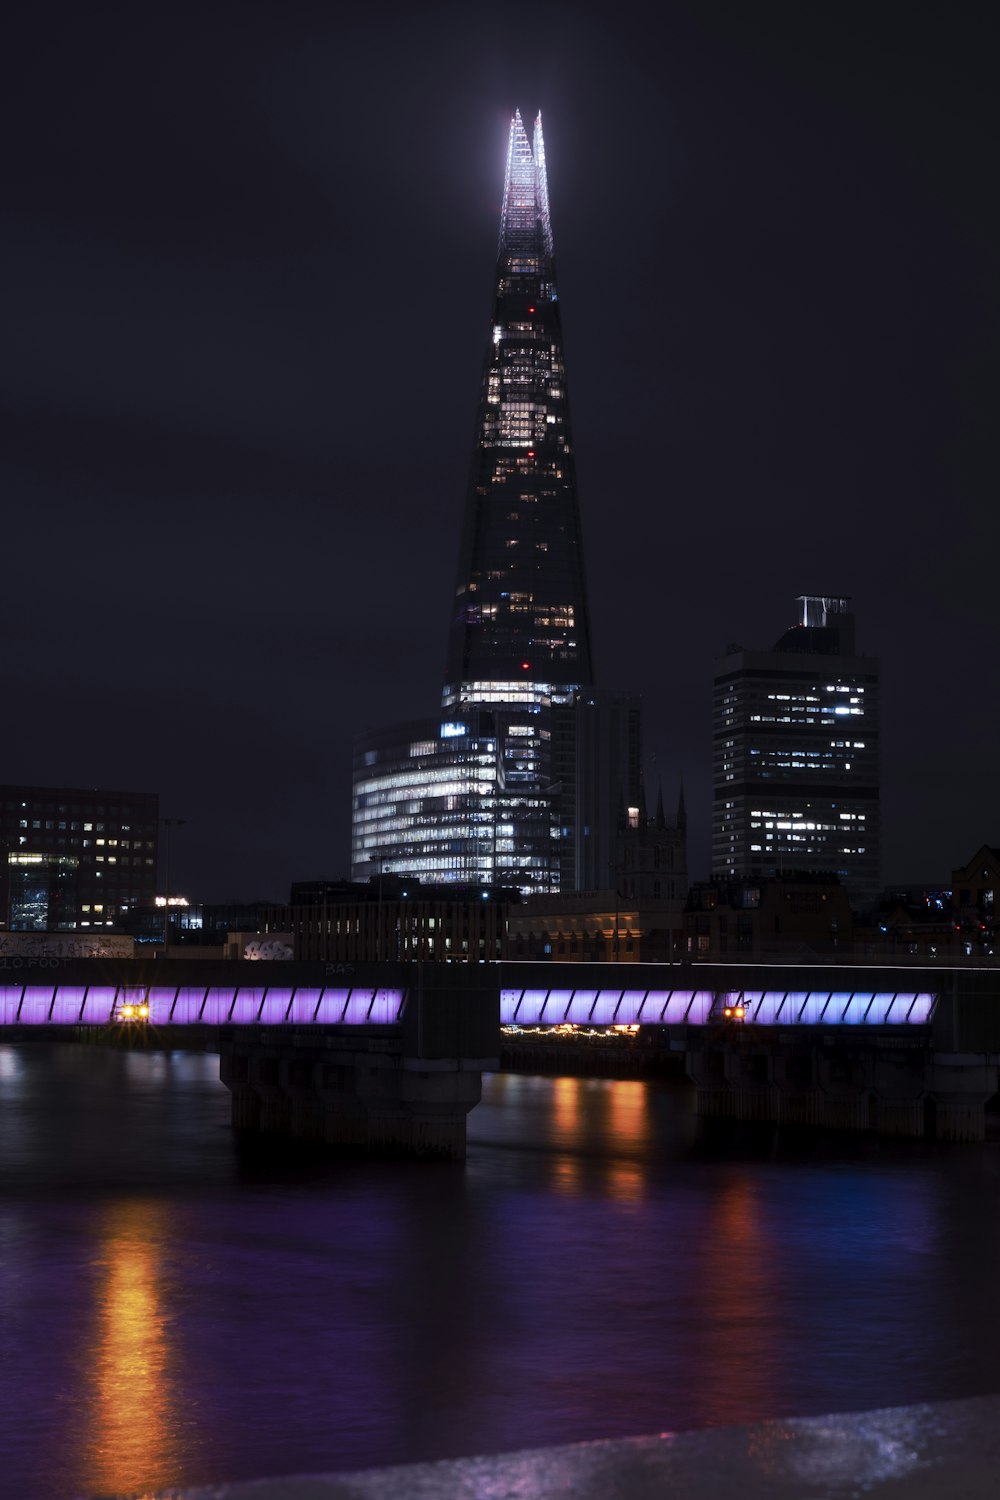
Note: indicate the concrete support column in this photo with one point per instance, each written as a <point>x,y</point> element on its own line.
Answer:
<point>959,1087</point>
<point>349,1089</point>
<point>850,1083</point>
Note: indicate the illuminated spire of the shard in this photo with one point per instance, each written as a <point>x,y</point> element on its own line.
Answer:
<point>542,188</point>
<point>520,618</point>
<point>525,211</point>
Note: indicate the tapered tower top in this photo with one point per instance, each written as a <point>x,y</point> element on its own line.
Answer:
<point>520,624</point>
<point>524,220</point>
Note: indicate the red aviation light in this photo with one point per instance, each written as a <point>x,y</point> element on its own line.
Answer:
<point>531,309</point>
<point>526,666</point>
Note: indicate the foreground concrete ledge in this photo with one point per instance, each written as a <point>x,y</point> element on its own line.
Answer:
<point>945,1451</point>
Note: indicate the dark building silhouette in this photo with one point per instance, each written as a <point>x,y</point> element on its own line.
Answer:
<point>396,917</point>
<point>518,780</point>
<point>111,835</point>
<point>651,852</point>
<point>800,917</point>
<point>638,917</point>
<point>795,755</point>
<point>976,900</point>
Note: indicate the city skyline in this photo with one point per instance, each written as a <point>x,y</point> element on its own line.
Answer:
<point>777,250</point>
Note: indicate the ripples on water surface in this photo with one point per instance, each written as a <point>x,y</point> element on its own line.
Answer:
<point>176,1309</point>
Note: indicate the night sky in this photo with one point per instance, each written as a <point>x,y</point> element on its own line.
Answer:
<point>247,267</point>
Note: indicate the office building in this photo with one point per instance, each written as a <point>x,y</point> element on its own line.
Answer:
<point>518,781</point>
<point>795,755</point>
<point>86,856</point>
<point>41,892</point>
<point>397,917</point>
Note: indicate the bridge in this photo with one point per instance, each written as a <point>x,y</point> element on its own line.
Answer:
<point>390,1056</point>
<point>47,997</point>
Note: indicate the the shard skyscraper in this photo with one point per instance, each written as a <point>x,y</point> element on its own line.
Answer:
<point>520,627</point>
<point>521,777</point>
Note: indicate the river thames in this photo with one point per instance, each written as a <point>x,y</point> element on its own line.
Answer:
<point>178,1308</point>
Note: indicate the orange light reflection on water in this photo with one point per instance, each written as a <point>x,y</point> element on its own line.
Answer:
<point>629,1129</point>
<point>132,1429</point>
<point>566,1175</point>
<point>739,1334</point>
<point>618,1144</point>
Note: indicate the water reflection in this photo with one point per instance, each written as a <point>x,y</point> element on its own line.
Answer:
<point>629,1129</point>
<point>9,1064</point>
<point>567,1175</point>
<point>604,1130</point>
<point>601,1265</point>
<point>132,1423</point>
<point>738,1292</point>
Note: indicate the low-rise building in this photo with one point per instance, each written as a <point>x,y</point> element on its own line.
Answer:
<point>394,917</point>
<point>800,914</point>
<point>975,896</point>
<point>597,927</point>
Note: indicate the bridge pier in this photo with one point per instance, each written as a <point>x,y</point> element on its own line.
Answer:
<point>342,1092</point>
<point>401,1090</point>
<point>886,1085</point>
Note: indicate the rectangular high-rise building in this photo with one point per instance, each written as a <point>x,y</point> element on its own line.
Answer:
<point>496,789</point>
<point>90,853</point>
<point>795,755</point>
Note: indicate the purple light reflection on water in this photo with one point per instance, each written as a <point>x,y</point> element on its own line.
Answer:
<point>601,1265</point>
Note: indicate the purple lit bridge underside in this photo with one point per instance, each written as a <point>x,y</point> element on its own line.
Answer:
<point>269,1005</point>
